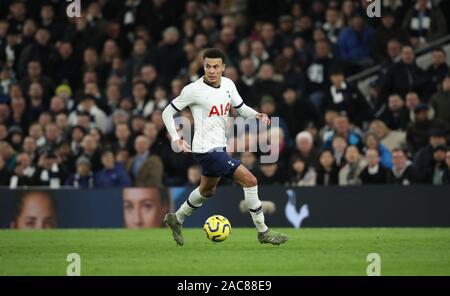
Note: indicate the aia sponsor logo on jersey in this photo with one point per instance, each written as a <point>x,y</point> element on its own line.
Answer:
<point>219,110</point>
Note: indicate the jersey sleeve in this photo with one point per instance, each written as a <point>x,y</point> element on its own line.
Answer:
<point>184,100</point>
<point>236,100</point>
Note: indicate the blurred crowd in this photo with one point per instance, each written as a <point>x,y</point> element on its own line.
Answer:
<point>81,98</point>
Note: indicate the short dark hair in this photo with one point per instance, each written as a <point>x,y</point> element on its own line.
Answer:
<point>214,53</point>
<point>400,150</point>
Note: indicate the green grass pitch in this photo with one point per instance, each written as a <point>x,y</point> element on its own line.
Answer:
<point>339,251</point>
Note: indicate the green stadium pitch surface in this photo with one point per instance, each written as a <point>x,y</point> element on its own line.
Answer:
<point>309,251</point>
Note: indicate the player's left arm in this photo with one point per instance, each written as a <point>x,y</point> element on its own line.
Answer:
<point>246,111</point>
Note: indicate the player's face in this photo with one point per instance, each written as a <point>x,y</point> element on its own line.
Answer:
<point>213,69</point>
<point>143,208</point>
<point>37,212</point>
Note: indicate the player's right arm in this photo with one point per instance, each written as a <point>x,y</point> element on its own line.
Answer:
<point>179,103</point>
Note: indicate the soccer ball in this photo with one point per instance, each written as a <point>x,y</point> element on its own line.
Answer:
<point>217,228</point>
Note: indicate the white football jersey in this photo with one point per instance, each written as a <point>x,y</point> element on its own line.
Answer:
<point>210,107</point>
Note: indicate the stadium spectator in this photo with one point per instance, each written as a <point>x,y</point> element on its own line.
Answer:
<point>113,174</point>
<point>333,24</point>
<point>437,71</point>
<point>425,23</point>
<point>48,172</point>
<point>339,145</point>
<point>435,174</point>
<point>423,159</point>
<point>145,207</point>
<point>83,178</point>
<point>390,138</point>
<point>402,171</point>
<point>327,171</point>
<point>301,172</point>
<point>145,168</point>
<point>417,133</point>
<point>355,164</point>
<point>23,173</point>
<point>355,42</point>
<point>194,175</point>
<point>9,155</point>
<point>412,101</point>
<point>395,115</point>
<point>123,138</point>
<point>317,76</point>
<point>372,142</point>
<point>341,127</point>
<point>394,81</point>
<point>305,148</point>
<point>441,102</point>
<point>374,172</point>
<point>271,174</point>
<point>90,149</point>
<point>344,97</point>
<point>388,30</point>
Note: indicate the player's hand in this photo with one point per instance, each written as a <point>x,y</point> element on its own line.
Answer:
<point>265,119</point>
<point>183,145</point>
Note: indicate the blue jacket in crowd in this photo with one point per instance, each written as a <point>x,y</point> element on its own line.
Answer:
<point>116,177</point>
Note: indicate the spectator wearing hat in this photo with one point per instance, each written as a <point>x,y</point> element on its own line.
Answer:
<point>83,178</point>
<point>402,171</point>
<point>64,91</point>
<point>412,100</point>
<point>435,173</point>
<point>113,174</point>
<point>441,102</point>
<point>417,134</point>
<point>15,137</point>
<point>423,159</point>
<point>286,26</point>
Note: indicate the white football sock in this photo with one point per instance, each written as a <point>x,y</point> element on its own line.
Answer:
<point>194,201</point>
<point>254,206</point>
